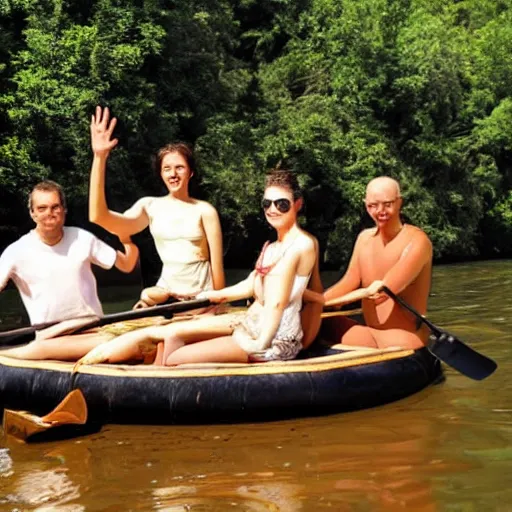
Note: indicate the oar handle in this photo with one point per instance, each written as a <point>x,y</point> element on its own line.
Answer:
<point>22,331</point>
<point>344,312</point>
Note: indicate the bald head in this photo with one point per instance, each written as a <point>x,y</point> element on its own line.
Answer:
<point>383,185</point>
<point>383,200</point>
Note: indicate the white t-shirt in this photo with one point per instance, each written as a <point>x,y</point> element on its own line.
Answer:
<point>56,282</point>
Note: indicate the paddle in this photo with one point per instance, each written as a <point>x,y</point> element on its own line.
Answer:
<point>18,336</point>
<point>72,410</point>
<point>343,312</point>
<point>449,349</point>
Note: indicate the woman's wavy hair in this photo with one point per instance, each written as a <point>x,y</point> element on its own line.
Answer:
<point>286,179</point>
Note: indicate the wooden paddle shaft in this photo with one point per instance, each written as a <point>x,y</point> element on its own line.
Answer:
<point>350,312</point>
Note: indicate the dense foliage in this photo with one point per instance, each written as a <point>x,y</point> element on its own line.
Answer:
<point>339,90</point>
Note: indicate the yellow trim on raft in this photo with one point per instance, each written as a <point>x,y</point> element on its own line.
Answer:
<point>317,364</point>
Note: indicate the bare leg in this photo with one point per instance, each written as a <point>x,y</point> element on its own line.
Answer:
<point>396,338</point>
<point>136,344</point>
<point>140,343</point>
<point>349,332</point>
<point>359,336</point>
<point>217,350</point>
<point>194,332</point>
<point>363,336</point>
<point>173,343</point>
<point>64,348</point>
<point>133,345</point>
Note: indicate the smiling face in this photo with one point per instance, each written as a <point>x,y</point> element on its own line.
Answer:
<point>47,211</point>
<point>280,208</point>
<point>383,201</point>
<point>175,172</point>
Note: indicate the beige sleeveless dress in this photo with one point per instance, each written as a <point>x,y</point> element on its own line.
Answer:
<point>181,243</point>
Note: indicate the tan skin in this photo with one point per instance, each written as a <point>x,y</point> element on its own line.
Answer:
<point>311,314</point>
<point>273,297</point>
<point>396,255</point>
<point>176,175</point>
<point>209,338</point>
<point>142,343</point>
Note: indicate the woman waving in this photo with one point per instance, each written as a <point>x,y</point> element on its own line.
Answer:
<point>186,231</point>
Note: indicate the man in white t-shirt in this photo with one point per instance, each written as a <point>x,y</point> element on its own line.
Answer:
<point>51,265</point>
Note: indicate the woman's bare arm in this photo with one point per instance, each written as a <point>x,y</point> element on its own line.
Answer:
<point>102,143</point>
<point>126,261</point>
<point>311,315</point>
<point>242,290</point>
<point>352,278</point>
<point>213,233</point>
<point>311,296</point>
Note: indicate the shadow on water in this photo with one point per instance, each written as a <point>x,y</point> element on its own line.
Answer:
<point>446,448</point>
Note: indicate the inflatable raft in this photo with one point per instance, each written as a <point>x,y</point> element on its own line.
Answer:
<point>324,380</point>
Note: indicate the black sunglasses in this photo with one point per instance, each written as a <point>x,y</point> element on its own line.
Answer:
<point>282,204</point>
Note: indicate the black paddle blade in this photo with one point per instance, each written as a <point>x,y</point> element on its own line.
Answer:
<point>459,356</point>
<point>449,349</point>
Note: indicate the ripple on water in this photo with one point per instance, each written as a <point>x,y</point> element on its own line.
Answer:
<point>268,496</point>
<point>5,463</point>
<point>45,490</point>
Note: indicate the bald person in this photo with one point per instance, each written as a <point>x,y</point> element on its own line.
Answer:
<point>394,254</point>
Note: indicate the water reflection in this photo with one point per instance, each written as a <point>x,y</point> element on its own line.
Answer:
<point>40,485</point>
<point>447,448</point>
<point>382,459</point>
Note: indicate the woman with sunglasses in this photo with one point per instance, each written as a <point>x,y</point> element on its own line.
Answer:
<point>186,231</point>
<point>271,328</point>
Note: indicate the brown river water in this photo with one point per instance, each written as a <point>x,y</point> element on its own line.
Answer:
<point>448,447</point>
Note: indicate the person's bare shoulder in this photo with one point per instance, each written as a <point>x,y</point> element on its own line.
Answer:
<point>416,230</point>
<point>365,236</point>
<point>417,245</point>
<point>206,208</point>
<point>142,204</point>
<point>418,235</point>
<point>308,242</point>
<point>367,233</point>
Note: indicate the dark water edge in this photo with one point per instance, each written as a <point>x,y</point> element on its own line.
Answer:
<point>446,448</point>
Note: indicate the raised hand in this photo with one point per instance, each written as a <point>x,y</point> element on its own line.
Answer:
<point>102,128</point>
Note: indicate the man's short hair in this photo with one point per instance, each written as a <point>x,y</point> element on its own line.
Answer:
<point>47,186</point>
